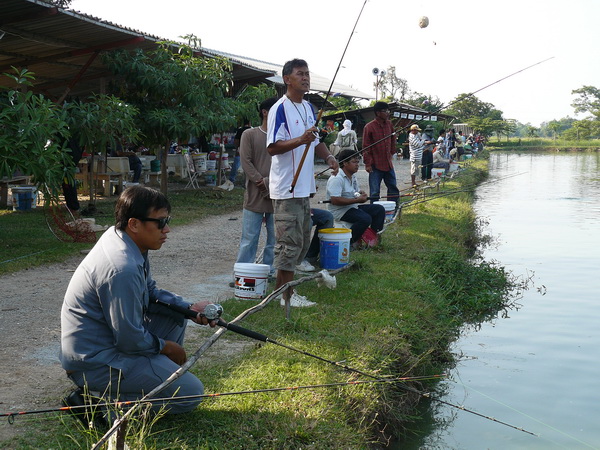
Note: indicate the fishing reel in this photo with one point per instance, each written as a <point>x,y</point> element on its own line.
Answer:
<point>213,311</point>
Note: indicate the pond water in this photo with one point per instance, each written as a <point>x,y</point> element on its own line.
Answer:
<point>538,368</point>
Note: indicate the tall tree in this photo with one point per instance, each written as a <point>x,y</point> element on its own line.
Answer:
<point>588,101</point>
<point>177,92</point>
<point>466,106</point>
<point>248,101</point>
<point>391,85</point>
<point>33,130</point>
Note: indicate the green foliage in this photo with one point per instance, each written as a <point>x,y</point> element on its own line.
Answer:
<point>248,101</point>
<point>467,106</point>
<point>32,133</point>
<point>588,101</point>
<point>102,121</point>
<point>177,92</point>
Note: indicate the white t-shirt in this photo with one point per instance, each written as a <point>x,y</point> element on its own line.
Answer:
<point>288,120</point>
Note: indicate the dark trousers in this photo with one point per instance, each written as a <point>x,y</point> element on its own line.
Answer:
<point>321,219</point>
<point>426,163</point>
<point>363,217</point>
<point>70,193</point>
<point>135,164</point>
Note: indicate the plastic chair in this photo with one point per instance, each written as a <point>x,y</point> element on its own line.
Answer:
<point>192,173</point>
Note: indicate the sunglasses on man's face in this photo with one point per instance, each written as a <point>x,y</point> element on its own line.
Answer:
<point>162,222</point>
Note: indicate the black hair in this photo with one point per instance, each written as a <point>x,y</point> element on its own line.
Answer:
<point>380,106</point>
<point>347,155</point>
<point>266,104</point>
<point>289,66</point>
<point>138,202</point>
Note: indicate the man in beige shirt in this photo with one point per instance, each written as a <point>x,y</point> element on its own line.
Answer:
<point>258,208</point>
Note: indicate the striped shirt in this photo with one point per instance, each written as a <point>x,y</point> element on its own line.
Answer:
<point>416,144</point>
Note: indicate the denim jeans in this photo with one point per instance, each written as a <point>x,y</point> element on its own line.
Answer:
<point>251,226</point>
<point>321,219</point>
<point>389,178</point>
<point>234,167</point>
<point>363,217</point>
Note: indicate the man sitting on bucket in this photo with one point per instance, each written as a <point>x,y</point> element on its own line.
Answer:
<point>346,198</point>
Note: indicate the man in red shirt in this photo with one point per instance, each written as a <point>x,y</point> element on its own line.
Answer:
<point>379,141</point>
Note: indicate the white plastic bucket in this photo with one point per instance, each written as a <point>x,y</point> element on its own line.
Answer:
<point>250,280</point>
<point>335,247</point>
<point>437,172</point>
<point>225,161</point>
<point>389,207</point>
<point>453,167</point>
<point>200,162</point>
<point>24,198</point>
<point>211,164</point>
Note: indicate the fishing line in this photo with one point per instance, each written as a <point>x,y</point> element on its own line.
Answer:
<point>461,98</point>
<point>120,404</point>
<point>261,337</point>
<point>320,114</point>
<point>525,415</point>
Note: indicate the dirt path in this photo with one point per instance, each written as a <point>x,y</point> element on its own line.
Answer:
<point>196,262</point>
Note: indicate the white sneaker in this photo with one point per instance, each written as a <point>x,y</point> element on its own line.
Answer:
<point>298,301</point>
<point>305,266</point>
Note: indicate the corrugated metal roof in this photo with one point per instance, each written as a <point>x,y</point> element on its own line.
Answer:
<point>57,45</point>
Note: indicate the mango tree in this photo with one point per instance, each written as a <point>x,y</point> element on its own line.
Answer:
<point>178,92</point>
<point>33,131</point>
<point>99,122</point>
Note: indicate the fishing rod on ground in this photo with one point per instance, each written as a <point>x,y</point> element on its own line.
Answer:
<point>123,404</point>
<point>320,113</point>
<point>434,196</point>
<point>261,337</point>
<point>445,107</point>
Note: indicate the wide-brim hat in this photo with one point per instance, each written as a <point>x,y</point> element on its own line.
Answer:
<point>415,127</point>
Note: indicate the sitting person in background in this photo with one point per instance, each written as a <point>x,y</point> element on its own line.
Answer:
<point>439,162</point>
<point>320,219</point>
<point>346,138</point>
<point>347,198</point>
<point>135,163</point>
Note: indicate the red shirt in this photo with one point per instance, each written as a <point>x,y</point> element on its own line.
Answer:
<point>380,154</point>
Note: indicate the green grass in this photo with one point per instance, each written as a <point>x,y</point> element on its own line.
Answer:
<point>542,143</point>
<point>394,313</point>
<point>26,240</point>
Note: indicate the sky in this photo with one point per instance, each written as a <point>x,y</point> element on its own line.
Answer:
<point>468,44</point>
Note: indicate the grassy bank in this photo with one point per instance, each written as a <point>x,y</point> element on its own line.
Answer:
<point>393,314</point>
<point>542,144</point>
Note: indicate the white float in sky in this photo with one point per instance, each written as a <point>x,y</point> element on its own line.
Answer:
<point>424,21</point>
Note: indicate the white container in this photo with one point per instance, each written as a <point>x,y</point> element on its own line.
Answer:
<point>335,247</point>
<point>453,167</point>
<point>225,161</point>
<point>250,280</point>
<point>200,162</point>
<point>437,172</point>
<point>389,207</point>
<point>24,198</point>
<point>211,164</point>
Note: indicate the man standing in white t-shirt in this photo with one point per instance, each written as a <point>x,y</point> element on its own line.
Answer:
<point>291,128</point>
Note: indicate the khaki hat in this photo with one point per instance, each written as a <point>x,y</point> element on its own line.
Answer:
<point>415,127</point>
